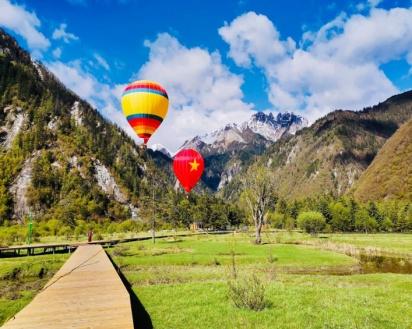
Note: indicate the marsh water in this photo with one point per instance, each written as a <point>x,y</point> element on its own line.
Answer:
<point>384,264</point>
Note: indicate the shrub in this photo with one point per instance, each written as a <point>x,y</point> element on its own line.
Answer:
<point>248,293</point>
<point>127,226</point>
<point>311,221</point>
<point>364,222</point>
<point>66,231</point>
<point>276,220</point>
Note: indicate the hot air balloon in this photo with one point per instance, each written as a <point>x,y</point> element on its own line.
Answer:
<point>188,166</point>
<point>145,106</point>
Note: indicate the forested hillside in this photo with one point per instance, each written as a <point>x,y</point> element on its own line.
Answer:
<point>62,162</point>
<point>329,156</point>
<point>390,174</point>
<point>59,157</point>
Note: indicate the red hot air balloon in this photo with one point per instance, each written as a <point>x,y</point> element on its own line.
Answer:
<point>188,166</point>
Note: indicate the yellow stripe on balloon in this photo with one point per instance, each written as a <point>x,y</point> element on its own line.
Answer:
<point>144,130</point>
<point>145,103</point>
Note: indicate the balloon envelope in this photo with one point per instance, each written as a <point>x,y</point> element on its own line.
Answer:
<point>188,166</point>
<point>145,105</point>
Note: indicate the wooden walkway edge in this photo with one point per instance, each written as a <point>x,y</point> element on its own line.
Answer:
<point>86,293</point>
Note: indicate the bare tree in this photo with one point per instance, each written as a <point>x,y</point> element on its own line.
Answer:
<point>258,196</point>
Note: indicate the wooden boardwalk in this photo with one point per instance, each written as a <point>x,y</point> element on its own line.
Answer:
<point>86,293</point>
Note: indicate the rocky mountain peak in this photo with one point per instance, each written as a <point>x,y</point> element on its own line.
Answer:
<point>281,119</point>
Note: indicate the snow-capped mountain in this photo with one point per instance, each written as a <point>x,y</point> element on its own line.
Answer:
<point>261,127</point>
<point>273,127</point>
<point>161,148</point>
<point>228,149</point>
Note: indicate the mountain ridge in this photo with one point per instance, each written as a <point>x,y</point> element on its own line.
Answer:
<point>390,174</point>
<point>329,156</point>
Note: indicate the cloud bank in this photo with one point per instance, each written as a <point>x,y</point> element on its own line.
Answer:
<point>338,66</point>
<point>203,93</point>
<point>24,23</point>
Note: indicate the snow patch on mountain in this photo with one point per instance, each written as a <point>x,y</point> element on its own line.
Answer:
<point>269,126</point>
<point>274,127</point>
<point>161,148</point>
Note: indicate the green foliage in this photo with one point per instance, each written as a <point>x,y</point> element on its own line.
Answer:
<point>5,201</point>
<point>248,293</point>
<point>341,216</point>
<point>364,222</point>
<point>311,221</point>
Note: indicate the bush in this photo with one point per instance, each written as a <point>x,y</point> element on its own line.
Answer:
<point>276,220</point>
<point>66,231</point>
<point>364,222</point>
<point>248,293</point>
<point>311,221</point>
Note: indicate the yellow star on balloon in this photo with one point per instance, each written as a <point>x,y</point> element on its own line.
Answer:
<point>194,165</point>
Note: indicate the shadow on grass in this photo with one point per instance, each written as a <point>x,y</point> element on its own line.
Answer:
<point>11,254</point>
<point>141,318</point>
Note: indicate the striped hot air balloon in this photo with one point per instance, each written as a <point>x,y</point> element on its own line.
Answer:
<point>145,106</point>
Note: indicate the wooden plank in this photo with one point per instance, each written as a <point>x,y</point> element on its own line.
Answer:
<point>85,293</point>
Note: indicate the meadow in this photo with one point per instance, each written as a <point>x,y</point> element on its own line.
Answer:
<point>182,282</point>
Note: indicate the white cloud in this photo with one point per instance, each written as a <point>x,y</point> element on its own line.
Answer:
<point>382,36</point>
<point>338,66</point>
<point>101,61</point>
<point>61,33</point>
<point>24,23</point>
<point>203,93</point>
<point>57,53</point>
<point>253,37</point>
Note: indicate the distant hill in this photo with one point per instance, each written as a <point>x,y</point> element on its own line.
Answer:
<point>59,158</point>
<point>330,156</point>
<point>390,174</point>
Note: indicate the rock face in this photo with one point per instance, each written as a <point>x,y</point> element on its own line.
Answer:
<point>19,190</point>
<point>13,123</point>
<point>107,183</point>
<point>109,186</point>
<point>76,114</point>
<point>229,173</point>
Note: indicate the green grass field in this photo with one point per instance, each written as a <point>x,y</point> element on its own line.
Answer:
<point>183,283</point>
<point>22,277</point>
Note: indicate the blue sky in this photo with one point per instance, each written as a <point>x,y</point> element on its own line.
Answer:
<point>221,60</point>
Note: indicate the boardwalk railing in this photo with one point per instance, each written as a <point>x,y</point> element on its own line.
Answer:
<point>30,249</point>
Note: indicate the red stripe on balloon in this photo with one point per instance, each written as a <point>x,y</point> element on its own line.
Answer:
<point>144,122</point>
<point>146,86</point>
